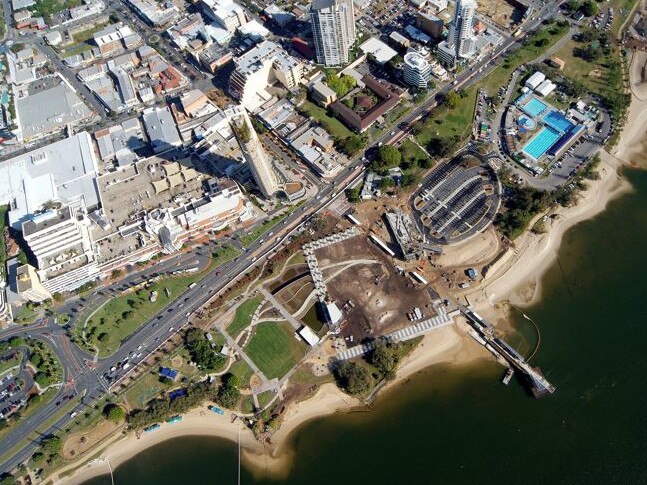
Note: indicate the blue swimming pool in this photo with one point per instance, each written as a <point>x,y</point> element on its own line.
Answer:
<point>534,107</point>
<point>557,121</point>
<point>541,142</point>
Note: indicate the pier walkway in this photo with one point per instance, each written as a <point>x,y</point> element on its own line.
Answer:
<point>539,385</point>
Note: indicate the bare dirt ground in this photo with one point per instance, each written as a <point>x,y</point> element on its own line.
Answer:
<point>78,443</point>
<point>502,12</point>
<point>382,296</point>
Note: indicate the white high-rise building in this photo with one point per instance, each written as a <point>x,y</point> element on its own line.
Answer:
<point>461,34</point>
<point>255,155</point>
<point>417,70</point>
<point>333,28</point>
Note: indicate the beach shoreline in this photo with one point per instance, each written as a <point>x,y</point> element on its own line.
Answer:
<point>515,278</point>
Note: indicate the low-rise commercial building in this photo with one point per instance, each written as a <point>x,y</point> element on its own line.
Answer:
<point>225,13</point>
<point>161,129</point>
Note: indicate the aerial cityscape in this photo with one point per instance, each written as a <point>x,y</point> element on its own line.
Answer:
<point>233,219</point>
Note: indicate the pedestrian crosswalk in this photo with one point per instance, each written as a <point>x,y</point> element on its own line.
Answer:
<point>402,335</point>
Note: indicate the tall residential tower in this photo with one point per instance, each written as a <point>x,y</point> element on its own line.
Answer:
<point>333,28</point>
<point>254,153</point>
<point>461,41</point>
<point>461,33</point>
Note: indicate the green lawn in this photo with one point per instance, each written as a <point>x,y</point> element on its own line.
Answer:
<point>446,123</point>
<point>144,389</point>
<point>579,69</point>
<point>411,152</point>
<point>12,362</point>
<point>258,231</point>
<point>621,9</point>
<point>224,254</point>
<point>274,349</point>
<point>264,398</point>
<point>243,371</point>
<point>122,315</point>
<point>47,8</point>
<point>243,316</point>
<point>332,125</point>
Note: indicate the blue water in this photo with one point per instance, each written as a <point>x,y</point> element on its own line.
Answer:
<point>534,107</point>
<point>527,123</point>
<point>541,143</point>
<point>556,120</point>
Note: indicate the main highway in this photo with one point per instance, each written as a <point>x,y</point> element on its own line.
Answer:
<point>85,374</point>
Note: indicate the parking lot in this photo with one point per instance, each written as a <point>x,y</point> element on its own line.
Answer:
<point>457,200</point>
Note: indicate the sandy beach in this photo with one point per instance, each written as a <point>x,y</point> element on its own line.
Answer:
<point>446,345</point>
<point>515,278</point>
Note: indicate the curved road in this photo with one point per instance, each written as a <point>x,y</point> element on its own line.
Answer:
<point>86,377</point>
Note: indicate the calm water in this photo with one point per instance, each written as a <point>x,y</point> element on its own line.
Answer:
<point>448,426</point>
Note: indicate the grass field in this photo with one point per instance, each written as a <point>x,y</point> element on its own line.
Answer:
<point>224,254</point>
<point>243,371</point>
<point>264,398</point>
<point>124,314</point>
<point>9,363</point>
<point>274,349</point>
<point>243,316</point>
<point>335,127</point>
<point>411,152</point>
<point>447,123</point>
<point>579,69</point>
<point>144,389</point>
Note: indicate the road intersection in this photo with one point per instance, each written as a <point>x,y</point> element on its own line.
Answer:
<point>87,374</point>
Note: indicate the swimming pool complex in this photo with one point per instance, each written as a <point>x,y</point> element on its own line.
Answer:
<point>557,121</point>
<point>541,142</point>
<point>534,107</point>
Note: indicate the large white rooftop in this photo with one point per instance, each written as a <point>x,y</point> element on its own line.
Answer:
<point>63,171</point>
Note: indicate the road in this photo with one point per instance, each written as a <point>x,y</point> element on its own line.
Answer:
<point>88,377</point>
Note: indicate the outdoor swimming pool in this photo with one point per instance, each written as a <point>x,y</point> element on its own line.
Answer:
<point>541,142</point>
<point>557,121</point>
<point>534,107</point>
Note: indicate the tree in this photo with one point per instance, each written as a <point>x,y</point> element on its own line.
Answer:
<point>350,145</point>
<point>387,156</point>
<point>353,377</point>
<point>228,397</point>
<point>589,8</point>
<point>385,356</point>
<point>116,273</point>
<point>386,183</point>
<point>52,445</point>
<point>7,479</point>
<point>543,42</point>
<point>58,297</point>
<point>114,413</point>
<point>353,195</point>
<point>452,99</point>
<point>342,84</point>
<point>103,337</point>
<point>201,351</point>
